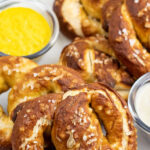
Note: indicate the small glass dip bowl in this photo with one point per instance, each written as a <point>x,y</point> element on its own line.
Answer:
<point>46,12</point>
<point>132,100</point>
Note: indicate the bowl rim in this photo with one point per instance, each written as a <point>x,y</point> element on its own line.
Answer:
<point>55,23</point>
<point>139,83</point>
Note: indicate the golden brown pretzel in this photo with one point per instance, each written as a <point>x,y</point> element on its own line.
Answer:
<point>76,125</point>
<point>12,71</point>
<point>94,59</point>
<point>79,17</point>
<point>40,81</point>
<point>129,31</point>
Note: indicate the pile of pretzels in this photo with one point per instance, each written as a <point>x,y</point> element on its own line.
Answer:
<point>51,106</point>
<point>79,103</point>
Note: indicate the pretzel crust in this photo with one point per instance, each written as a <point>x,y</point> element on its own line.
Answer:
<point>43,80</point>
<point>76,19</point>
<point>94,59</point>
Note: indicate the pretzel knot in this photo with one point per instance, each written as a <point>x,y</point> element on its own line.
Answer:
<point>73,121</point>
<point>94,59</point>
<point>129,32</point>
<point>38,81</point>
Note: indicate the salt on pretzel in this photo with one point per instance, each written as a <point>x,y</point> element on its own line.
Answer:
<point>75,123</point>
<point>94,59</point>
<point>77,120</point>
<point>129,31</point>
<point>12,71</point>
<point>77,18</point>
<point>34,118</point>
<point>43,80</point>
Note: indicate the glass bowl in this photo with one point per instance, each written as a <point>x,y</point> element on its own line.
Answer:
<point>132,100</point>
<point>45,11</point>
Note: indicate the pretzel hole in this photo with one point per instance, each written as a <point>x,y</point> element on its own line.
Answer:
<point>100,121</point>
<point>4,100</point>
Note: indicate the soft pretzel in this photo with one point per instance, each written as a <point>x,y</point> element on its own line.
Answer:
<point>39,81</point>
<point>94,59</point>
<point>12,71</point>
<point>77,18</point>
<point>76,122</point>
<point>129,30</point>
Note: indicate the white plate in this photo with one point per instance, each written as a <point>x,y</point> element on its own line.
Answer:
<point>52,57</point>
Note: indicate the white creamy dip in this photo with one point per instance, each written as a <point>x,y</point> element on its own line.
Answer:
<point>142,103</point>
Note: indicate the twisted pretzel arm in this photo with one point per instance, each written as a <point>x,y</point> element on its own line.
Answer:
<point>43,80</point>
<point>33,121</point>
<point>140,16</point>
<point>123,32</point>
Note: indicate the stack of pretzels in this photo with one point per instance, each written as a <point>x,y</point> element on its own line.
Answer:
<point>79,103</point>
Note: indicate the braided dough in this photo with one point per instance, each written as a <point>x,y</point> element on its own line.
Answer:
<point>129,31</point>
<point>76,122</point>
<point>94,59</point>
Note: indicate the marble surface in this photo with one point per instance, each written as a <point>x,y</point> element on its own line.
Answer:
<point>52,57</point>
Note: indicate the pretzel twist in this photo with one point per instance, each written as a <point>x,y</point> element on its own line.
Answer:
<point>74,124</point>
<point>129,31</point>
<point>94,59</point>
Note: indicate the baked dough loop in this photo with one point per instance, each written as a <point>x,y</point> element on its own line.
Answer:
<point>12,71</point>
<point>41,81</point>
<point>94,59</point>
<point>129,32</point>
<point>76,122</point>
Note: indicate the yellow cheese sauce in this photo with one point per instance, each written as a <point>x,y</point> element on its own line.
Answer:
<point>23,31</point>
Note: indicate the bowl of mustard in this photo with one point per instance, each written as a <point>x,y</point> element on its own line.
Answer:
<point>27,28</point>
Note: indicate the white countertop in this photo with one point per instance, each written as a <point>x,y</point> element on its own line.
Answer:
<point>52,57</point>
